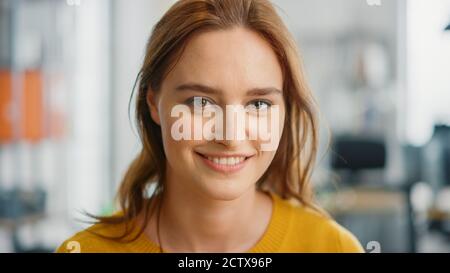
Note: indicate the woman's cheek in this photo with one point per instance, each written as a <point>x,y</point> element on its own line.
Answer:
<point>266,130</point>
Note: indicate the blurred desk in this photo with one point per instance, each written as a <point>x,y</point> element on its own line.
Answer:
<point>365,200</point>
<point>439,220</point>
<point>435,214</point>
<point>375,214</point>
<point>14,223</point>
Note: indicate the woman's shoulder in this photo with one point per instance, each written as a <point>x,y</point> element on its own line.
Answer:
<point>315,231</point>
<point>96,238</point>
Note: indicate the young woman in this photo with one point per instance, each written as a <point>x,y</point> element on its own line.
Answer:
<point>220,194</point>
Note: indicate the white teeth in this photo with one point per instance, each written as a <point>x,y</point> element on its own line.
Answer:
<point>231,161</point>
<point>226,160</point>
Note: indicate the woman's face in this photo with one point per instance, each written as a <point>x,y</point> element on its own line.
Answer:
<point>219,68</point>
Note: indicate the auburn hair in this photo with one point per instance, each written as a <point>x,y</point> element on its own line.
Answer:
<point>289,174</point>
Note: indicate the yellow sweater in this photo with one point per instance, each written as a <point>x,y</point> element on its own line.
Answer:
<point>292,228</point>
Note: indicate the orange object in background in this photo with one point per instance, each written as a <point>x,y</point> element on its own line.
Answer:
<point>6,129</point>
<point>31,106</point>
<point>32,114</point>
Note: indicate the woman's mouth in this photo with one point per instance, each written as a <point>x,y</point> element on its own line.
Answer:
<point>225,163</point>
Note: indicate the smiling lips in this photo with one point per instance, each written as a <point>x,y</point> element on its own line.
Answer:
<point>225,164</point>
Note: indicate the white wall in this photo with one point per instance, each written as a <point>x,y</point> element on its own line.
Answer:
<point>428,57</point>
<point>87,169</point>
<point>132,25</point>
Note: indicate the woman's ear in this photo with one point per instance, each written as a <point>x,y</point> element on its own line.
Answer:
<point>153,106</point>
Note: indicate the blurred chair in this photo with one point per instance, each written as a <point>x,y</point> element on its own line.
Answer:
<point>374,212</point>
<point>446,165</point>
<point>356,154</point>
<point>439,215</point>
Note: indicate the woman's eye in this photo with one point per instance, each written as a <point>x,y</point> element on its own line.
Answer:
<point>200,102</point>
<point>260,105</point>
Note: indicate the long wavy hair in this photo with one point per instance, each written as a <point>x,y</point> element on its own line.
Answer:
<point>289,174</point>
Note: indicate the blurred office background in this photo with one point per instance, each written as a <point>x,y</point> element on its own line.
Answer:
<point>379,68</point>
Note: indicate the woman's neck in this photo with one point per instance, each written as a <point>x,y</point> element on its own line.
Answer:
<point>192,222</point>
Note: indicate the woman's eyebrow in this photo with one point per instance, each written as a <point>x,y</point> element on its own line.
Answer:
<point>211,90</point>
<point>264,91</point>
<point>197,87</point>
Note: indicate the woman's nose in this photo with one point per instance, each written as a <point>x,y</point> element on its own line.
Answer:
<point>233,131</point>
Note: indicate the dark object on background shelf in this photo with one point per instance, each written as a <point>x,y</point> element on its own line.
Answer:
<point>437,158</point>
<point>446,164</point>
<point>448,27</point>
<point>18,207</point>
<point>357,153</point>
<point>413,162</point>
<point>17,203</point>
